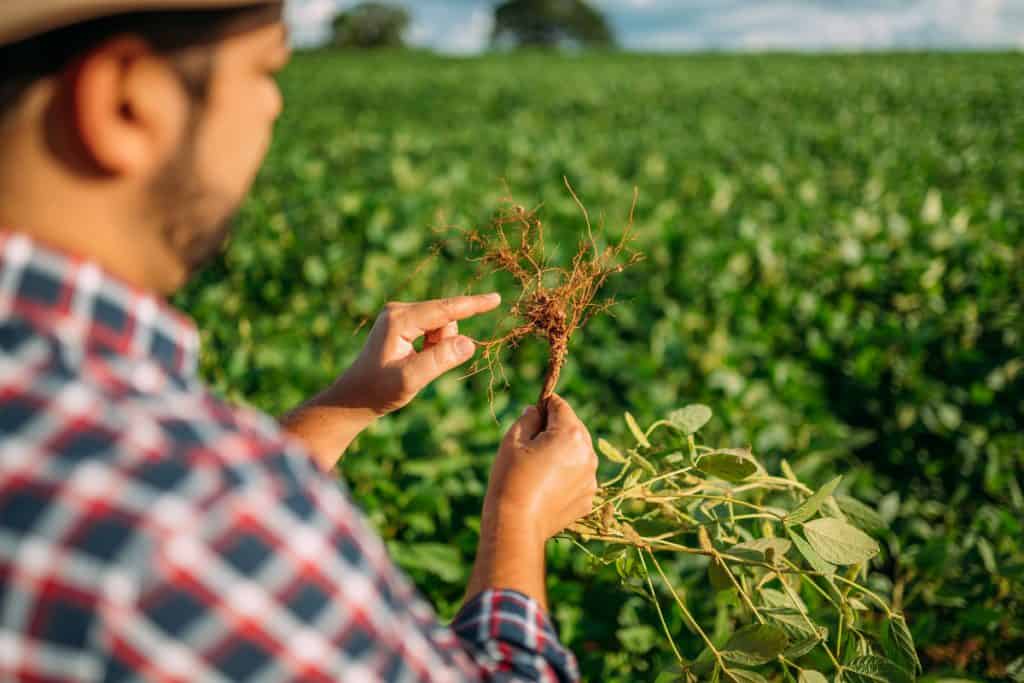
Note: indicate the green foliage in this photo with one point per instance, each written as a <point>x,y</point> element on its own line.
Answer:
<point>774,609</point>
<point>550,23</point>
<point>371,25</point>
<point>839,543</point>
<point>834,264</point>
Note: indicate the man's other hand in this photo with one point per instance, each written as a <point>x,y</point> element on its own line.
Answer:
<point>390,372</point>
<point>543,480</point>
<point>547,477</point>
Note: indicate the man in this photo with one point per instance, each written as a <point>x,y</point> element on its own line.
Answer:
<point>149,531</point>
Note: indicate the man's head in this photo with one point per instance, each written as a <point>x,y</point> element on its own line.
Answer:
<point>133,138</point>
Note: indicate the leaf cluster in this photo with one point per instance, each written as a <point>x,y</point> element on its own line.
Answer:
<point>792,560</point>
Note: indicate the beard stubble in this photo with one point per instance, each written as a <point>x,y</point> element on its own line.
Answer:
<point>195,222</point>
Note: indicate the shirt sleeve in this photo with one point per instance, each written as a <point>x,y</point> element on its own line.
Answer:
<point>511,638</point>
<point>271,573</point>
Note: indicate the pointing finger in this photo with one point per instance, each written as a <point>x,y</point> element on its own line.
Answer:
<point>418,318</point>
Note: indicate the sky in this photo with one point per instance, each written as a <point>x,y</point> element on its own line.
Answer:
<point>464,26</point>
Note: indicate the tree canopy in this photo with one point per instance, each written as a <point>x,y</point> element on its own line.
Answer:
<point>371,25</point>
<point>550,23</point>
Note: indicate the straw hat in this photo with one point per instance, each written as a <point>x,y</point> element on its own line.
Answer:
<point>20,19</point>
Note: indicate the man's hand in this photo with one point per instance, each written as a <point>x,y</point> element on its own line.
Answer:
<point>389,372</point>
<point>541,482</point>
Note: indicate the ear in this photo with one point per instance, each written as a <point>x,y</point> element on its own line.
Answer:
<point>129,107</point>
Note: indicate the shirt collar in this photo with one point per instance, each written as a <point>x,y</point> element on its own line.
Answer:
<point>89,309</point>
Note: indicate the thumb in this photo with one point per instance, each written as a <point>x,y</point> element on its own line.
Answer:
<point>560,413</point>
<point>426,366</point>
<point>527,426</point>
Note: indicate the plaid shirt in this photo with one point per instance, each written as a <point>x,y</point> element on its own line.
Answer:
<point>149,531</point>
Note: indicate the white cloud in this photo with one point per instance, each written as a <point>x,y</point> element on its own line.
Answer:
<point>474,34</point>
<point>926,23</point>
<point>310,19</point>
<point>456,30</point>
<point>819,25</point>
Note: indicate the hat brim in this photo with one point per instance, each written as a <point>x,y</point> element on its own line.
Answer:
<point>22,19</point>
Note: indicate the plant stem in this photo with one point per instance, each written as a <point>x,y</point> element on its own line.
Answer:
<point>865,591</point>
<point>795,599</point>
<point>686,613</point>
<point>640,485</point>
<point>657,606</point>
<point>739,588</point>
<point>557,359</point>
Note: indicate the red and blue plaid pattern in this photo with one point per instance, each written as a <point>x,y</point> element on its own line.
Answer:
<point>149,531</point>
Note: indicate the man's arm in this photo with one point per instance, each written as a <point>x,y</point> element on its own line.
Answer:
<point>327,424</point>
<point>541,482</point>
<point>278,575</point>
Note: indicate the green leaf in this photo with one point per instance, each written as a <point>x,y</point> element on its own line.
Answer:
<point>691,418</point>
<point>626,566</point>
<point>756,644</point>
<point>718,577</point>
<point>632,479</point>
<point>315,271</point>
<point>732,465</point>
<point>1015,670</point>
<point>673,674</point>
<point>811,676</point>
<point>813,558</point>
<point>761,549</point>
<point>874,669</point>
<point>812,504</point>
<point>775,598</point>
<point>900,644</point>
<point>638,433</point>
<point>638,639</point>
<point>804,645</point>
<point>840,543</point>
<point>611,452</point>
<point>656,526</point>
<point>637,587</point>
<point>704,664</point>
<point>988,556</point>
<point>791,619</point>
<point>861,515</point>
<point>645,463</point>
<point>744,676</point>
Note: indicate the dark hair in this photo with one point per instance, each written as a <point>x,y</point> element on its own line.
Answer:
<point>168,32</point>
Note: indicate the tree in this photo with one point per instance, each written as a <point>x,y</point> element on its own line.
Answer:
<point>550,23</point>
<point>371,25</point>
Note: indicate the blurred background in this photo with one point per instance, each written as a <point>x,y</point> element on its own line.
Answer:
<point>467,26</point>
<point>832,214</point>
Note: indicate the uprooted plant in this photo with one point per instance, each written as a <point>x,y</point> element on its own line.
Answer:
<point>554,301</point>
<point>792,560</point>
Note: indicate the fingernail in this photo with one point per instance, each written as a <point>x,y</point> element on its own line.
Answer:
<point>465,346</point>
<point>494,296</point>
<point>525,411</point>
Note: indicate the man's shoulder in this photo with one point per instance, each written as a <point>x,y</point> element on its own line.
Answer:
<point>107,474</point>
<point>129,416</point>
